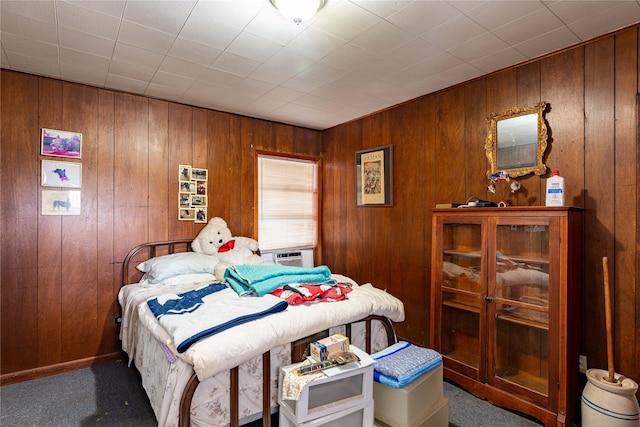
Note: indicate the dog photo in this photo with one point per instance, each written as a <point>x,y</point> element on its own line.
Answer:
<point>61,174</point>
<point>60,202</point>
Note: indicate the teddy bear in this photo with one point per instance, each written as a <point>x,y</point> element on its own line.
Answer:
<point>216,239</point>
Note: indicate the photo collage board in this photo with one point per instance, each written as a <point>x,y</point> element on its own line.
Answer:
<point>192,194</point>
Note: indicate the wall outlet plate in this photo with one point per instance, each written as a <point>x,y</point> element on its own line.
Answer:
<point>582,363</point>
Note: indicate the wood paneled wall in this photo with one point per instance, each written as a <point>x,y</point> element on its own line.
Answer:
<point>60,274</point>
<point>439,158</point>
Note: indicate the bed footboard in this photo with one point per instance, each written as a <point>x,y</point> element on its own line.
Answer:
<point>298,353</point>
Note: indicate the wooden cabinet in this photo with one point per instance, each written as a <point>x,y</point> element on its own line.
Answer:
<point>506,306</point>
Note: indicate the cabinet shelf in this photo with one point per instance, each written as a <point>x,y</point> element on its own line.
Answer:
<point>461,306</point>
<point>524,319</point>
<point>522,259</point>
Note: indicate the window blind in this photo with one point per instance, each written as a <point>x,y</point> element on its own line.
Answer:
<point>287,203</point>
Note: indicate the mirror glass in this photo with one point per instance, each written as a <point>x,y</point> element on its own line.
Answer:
<point>517,140</point>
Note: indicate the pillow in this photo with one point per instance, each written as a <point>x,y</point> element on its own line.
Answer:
<point>180,279</point>
<point>166,266</point>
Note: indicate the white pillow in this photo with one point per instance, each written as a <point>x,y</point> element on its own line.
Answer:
<point>166,266</point>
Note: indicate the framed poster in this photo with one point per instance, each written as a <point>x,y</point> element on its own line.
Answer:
<point>61,143</point>
<point>374,177</point>
<point>60,202</point>
<point>61,174</point>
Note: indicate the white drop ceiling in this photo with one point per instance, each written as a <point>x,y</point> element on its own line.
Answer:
<point>352,59</point>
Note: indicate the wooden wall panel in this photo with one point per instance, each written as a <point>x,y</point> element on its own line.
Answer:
<point>599,149</point>
<point>626,188</point>
<point>108,307</point>
<point>161,188</point>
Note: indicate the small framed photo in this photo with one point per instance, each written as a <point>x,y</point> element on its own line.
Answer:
<point>186,214</point>
<point>184,173</point>
<point>201,188</point>
<point>61,174</point>
<point>201,215</point>
<point>188,187</point>
<point>184,200</point>
<point>61,143</point>
<point>198,174</point>
<point>60,202</point>
<point>198,201</point>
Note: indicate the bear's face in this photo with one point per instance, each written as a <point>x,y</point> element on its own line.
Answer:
<point>211,237</point>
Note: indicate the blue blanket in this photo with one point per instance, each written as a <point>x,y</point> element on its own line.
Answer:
<point>262,279</point>
<point>402,363</point>
<point>191,316</point>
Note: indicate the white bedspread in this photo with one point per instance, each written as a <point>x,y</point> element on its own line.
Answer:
<point>229,348</point>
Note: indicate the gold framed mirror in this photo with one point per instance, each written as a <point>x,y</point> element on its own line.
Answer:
<point>517,140</point>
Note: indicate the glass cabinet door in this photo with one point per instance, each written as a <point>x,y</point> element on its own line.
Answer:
<point>461,290</point>
<point>519,283</point>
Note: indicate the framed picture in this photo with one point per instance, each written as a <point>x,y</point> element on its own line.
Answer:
<point>188,187</point>
<point>198,201</point>
<point>186,214</point>
<point>61,143</point>
<point>198,174</point>
<point>374,177</point>
<point>201,187</point>
<point>184,200</point>
<point>184,173</point>
<point>201,215</point>
<point>61,174</point>
<point>60,202</point>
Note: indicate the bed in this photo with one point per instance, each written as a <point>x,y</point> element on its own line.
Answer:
<point>230,378</point>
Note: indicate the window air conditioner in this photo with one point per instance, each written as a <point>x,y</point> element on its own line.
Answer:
<point>291,257</point>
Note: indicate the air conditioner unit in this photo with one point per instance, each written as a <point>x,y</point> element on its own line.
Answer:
<point>291,257</point>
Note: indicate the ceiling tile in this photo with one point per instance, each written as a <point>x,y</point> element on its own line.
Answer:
<point>345,20</point>
<point>253,47</point>
<point>128,54</point>
<point>235,64</point>
<point>108,7</point>
<point>609,20</point>
<point>539,22</point>
<point>146,38</point>
<point>548,42</point>
<point>453,32</point>
<point>382,38</point>
<point>167,16</point>
<point>87,21</point>
<point>194,51</point>
<point>90,43</point>
<point>420,16</point>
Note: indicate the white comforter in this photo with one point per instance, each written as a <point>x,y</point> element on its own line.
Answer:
<point>229,348</point>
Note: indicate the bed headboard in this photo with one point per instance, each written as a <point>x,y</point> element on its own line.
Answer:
<point>145,251</point>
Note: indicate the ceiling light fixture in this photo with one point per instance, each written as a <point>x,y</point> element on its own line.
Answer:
<point>297,10</point>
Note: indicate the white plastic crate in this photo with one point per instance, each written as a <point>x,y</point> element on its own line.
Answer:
<point>403,407</point>
<point>360,415</point>
<point>329,395</point>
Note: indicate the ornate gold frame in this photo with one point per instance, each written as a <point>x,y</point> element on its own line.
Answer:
<point>491,147</point>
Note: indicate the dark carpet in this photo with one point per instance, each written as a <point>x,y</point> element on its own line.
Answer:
<point>112,395</point>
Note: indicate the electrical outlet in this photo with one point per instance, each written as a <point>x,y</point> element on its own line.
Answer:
<point>582,363</point>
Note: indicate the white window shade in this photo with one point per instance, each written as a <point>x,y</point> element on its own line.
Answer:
<point>287,203</point>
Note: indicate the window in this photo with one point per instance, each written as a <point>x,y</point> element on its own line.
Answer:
<point>287,202</point>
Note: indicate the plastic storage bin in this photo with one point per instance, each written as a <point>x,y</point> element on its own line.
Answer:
<point>360,415</point>
<point>407,406</point>
<point>329,395</point>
